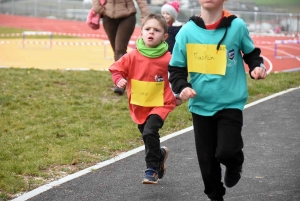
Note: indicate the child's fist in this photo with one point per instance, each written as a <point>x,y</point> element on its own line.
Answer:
<point>122,83</point>
<point>187,93</point>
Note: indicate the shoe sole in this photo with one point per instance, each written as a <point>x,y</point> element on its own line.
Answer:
<point>164,161</point>
<point>120,93</point>
<point>150,182</point>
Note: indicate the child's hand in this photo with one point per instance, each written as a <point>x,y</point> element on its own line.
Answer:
<point>178,101</point>
<point>187,93</point>
<point>122,83</point>
<point>259,73</point>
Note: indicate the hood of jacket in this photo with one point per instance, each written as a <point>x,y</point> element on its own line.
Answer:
<point>225,23</point>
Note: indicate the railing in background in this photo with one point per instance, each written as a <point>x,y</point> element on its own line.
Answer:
<point>259,22</point>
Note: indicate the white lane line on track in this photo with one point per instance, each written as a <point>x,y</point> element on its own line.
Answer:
<point>53,184</point>
<point>270,64</point>
<point>63,43</point>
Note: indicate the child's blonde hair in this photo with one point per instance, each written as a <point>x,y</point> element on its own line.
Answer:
<point>159,18</point>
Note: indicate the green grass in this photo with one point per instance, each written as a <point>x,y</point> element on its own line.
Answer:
<point>277,2</point>
<point>271,2</point>
<point>292,6</point>
<point>54,123</point>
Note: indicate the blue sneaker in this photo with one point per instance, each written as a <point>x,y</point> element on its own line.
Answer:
<point>151,176</point>
<point>162,163</point>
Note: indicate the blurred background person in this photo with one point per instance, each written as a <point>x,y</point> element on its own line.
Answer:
<point>119,19</point>
<point>170,11</point>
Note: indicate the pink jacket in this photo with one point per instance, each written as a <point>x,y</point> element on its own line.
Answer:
<point>93,19</point>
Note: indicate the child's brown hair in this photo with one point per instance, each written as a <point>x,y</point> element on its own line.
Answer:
<point>159,18</point>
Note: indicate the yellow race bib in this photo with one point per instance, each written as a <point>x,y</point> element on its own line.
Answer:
<point>206,59</point>
<point>147,94</point>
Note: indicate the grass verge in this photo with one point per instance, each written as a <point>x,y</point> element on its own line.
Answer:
<point>54,123</point>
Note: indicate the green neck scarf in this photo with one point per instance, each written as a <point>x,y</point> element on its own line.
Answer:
<point>150,51</point>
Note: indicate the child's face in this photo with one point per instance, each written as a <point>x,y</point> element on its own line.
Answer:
<point>167,17</point>
<point>211,4</point>
<point>153,33</point>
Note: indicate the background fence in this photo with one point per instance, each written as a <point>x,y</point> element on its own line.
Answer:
<point>257,21</point>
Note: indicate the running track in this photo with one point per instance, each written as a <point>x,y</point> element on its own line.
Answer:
<point>289,53</point>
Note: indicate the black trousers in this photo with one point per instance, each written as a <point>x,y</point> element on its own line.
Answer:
<point>149,131</point>
<point>218,141</point>
<point>119,32</point>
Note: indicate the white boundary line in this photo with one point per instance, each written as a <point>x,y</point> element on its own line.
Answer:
<point>131,43</point>
<point>53,184</point>
<point>270,64</point>
<point>270,97</point>
<point>83,35</point>
<point>252,34</point>
<point>291,70</point>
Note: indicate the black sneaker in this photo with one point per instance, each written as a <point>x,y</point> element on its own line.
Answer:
<point>232,176</point>
<point>151,176</point>
<point>119,91</point>
<point>218,199</point>
<point>162,163</point>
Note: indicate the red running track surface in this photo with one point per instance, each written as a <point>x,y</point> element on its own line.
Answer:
<point>289,54</point>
